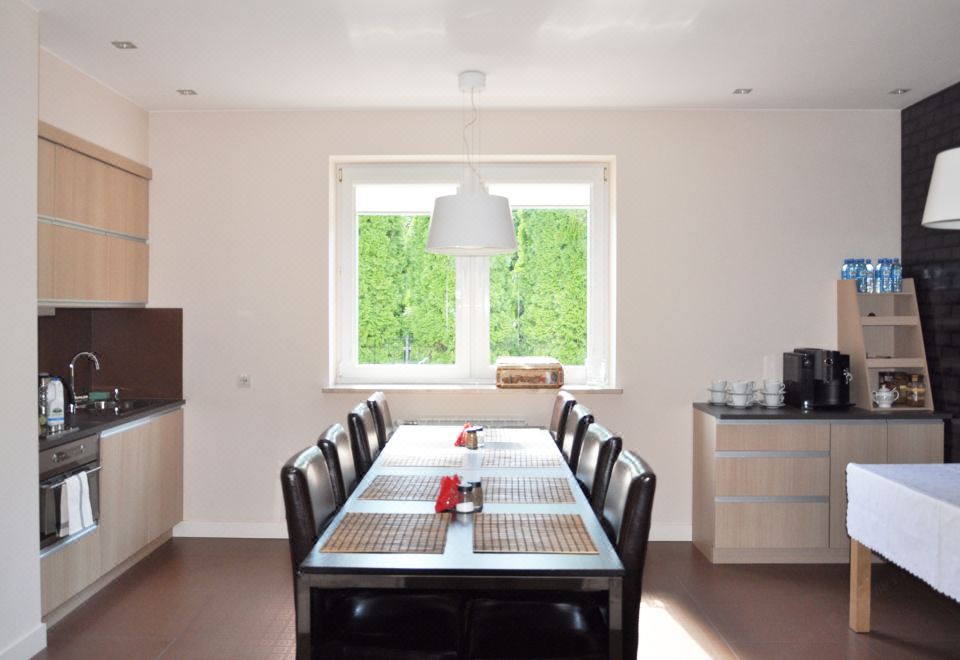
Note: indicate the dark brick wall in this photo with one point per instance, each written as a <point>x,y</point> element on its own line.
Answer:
<point>932,256</point>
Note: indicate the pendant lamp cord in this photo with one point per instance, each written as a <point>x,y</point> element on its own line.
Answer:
<point>473,124</point>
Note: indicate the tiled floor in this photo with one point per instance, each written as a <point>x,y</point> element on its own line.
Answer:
<point>232,599</point>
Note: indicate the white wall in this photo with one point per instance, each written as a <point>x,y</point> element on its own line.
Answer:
<point>79,104</point>
<point>732,227</point>
<point>21,632</point>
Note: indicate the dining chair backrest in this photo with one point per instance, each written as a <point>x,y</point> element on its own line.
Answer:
<point>308,498</point>
<point>345,475</point>
<point>363,438</point>
<point>626,518</point>
<point>578,420</point>
<point>598,452</point>
<point>562,404</point>
<point>381,417</point>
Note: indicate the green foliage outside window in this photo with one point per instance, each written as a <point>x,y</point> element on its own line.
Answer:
<point>538,296</point>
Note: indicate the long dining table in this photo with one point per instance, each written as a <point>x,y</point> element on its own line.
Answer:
<point>523,475</point>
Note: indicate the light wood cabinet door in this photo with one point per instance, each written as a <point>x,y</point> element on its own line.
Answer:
<point>80,267</point>
<point>127,266</point>
<point>165,474</point>
<point>46,165</point>
<point>914,443</point>
<point>850,443</point>
<point>126,210</point>
<point>45,260</point>
<point>69,570</point>
<point>123,494</point>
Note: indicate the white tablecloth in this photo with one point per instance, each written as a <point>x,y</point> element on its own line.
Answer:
<point>909,514</point>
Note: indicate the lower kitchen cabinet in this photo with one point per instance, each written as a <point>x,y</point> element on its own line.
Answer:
<point>141,499</point>
<point>775,491</point>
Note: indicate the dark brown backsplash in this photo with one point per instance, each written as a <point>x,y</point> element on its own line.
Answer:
<point>932,256</point>
<point>140,350</point>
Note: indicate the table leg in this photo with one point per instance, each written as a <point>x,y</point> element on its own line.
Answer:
<point>304,616</point>
<point>615,616</point>
<point>860,567</point>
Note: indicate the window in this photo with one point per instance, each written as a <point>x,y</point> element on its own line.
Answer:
<point>403,315</point>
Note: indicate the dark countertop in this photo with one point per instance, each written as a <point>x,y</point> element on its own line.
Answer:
<point>789,413</point>
<point>85,423</point>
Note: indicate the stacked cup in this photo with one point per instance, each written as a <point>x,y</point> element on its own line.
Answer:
<point>718,392</point>
<point>741,393</point>
<point>771,395</point>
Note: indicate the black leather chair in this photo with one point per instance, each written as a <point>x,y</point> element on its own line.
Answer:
<point>381,417</point>
<point>364,624</point>
<point>576,628</point>
<point>578,420</point>
<point>341,457</point>
<point>598,451</point>
<point>363,438</point>
<point>558,420</point>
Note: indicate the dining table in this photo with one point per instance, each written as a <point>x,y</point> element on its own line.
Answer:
<point>536,530</point>
<point>909,515</point>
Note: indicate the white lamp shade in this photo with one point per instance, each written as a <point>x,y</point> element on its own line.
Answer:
<point>942,210</point>
<point>471,224</point>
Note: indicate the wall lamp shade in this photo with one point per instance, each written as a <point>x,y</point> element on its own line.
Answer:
<point>471,224</point>
<point>942,210</point>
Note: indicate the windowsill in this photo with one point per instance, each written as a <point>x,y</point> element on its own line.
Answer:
<point>466,388</point>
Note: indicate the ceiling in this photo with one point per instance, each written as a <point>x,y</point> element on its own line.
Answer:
<point>303,54</point>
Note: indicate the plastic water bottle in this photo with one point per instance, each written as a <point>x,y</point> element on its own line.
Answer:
<point>845,269</point>
<point>871,278</point>
<point>896,276</point>
<point>882,276</point>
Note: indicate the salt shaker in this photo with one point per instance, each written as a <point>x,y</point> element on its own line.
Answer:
<point>471,439</point>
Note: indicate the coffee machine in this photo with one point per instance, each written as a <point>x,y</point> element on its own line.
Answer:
<point>817,378</point>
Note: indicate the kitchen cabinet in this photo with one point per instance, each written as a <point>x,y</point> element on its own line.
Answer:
<point>773,488</point>
<point>93,224</point>
<point>141,499</point>
<point>141,485</point>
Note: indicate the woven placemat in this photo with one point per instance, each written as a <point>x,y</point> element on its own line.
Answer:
<point>527,490</point>
<point>448,459</point>
<point>407,487</point>
<point>517,458</point>
<point>420,533</point>
<point>521,434</point>
<point>532,533</point>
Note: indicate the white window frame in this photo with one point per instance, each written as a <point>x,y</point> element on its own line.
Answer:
<point>472,366</point>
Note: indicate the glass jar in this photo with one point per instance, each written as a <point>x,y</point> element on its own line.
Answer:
<point>916,392</point>
<point>477,495</point>
<point>465,498</point>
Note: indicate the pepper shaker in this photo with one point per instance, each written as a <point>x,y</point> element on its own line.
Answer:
<point>477,495</point>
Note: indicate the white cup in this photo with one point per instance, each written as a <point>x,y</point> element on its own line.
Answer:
<point>773,387</point>
<point>741,398</point>
<point>718,396</point>
<point>718,385</point>
<point>741,386</point>
<point>772,399</point>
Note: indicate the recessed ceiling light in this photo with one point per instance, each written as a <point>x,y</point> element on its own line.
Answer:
<point>187,92</point>
<point>124,45</point>
<point>899,91</point>
<point>742,91</point>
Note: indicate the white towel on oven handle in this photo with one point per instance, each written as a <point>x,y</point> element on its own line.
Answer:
<point>86,510</point>
<point>70,510</point>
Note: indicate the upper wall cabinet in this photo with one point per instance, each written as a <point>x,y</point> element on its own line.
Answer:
<point>93,224</point>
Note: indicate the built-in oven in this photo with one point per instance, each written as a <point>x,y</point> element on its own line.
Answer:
<point>57,466</point>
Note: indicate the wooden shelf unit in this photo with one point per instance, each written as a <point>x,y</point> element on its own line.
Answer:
<point>880,332</point>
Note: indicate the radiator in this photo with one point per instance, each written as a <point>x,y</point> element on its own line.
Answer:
<point>502,422</point>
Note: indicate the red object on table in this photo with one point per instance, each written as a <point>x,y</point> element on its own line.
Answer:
<point>447,499</point>
<point>460,441</point>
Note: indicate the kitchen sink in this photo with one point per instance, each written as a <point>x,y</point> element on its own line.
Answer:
<point>115,408</point>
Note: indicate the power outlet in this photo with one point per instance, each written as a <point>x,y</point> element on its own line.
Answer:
<point>243,380</point>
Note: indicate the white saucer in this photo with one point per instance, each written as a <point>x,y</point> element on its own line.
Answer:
<point>717,403</point>
<point>779,405</point>
<point>746,405</point>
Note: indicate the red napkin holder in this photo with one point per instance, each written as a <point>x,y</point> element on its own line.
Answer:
<point>447,499</point>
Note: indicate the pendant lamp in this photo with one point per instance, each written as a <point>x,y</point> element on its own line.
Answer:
<point>471,223</point>
<point>942,210</point>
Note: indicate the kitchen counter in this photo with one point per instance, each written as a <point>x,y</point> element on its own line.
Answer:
<point>86,422</point>
<point>789,413</point>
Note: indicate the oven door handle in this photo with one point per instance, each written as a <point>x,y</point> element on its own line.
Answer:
<point>60,484</point>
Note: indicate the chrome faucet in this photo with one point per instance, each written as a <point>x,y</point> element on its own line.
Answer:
<point>73,388</point>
